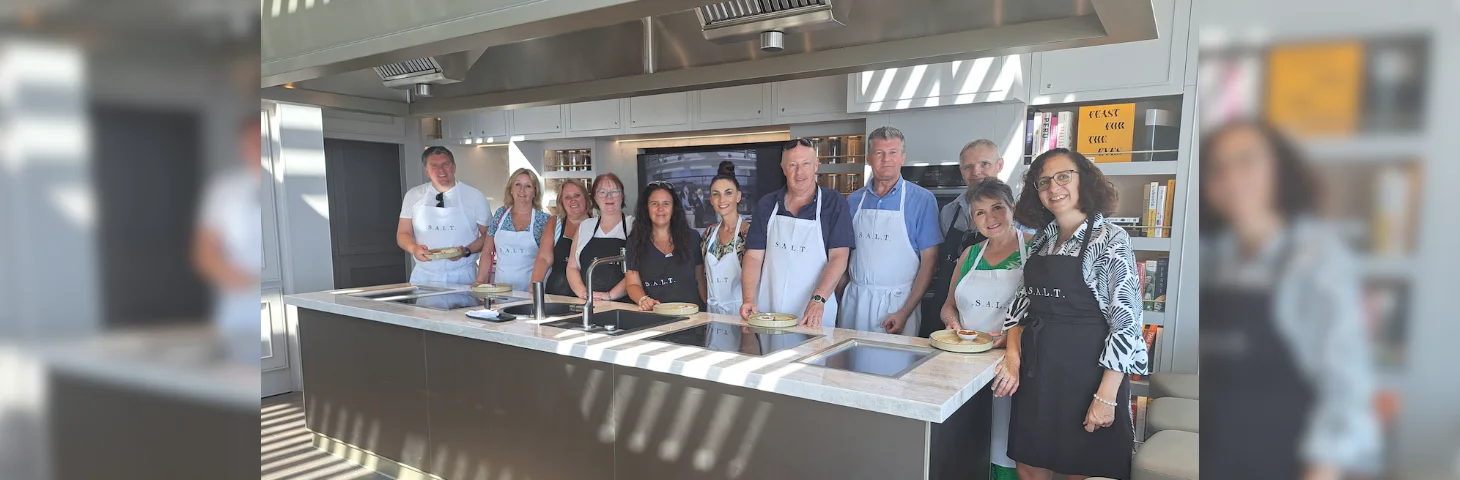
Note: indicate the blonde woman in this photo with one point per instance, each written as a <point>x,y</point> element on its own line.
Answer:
<point>574,204</point>
<point>515,232</point>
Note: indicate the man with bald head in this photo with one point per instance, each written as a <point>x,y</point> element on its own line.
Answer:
<point>798,245</point>
<point>977,160</point>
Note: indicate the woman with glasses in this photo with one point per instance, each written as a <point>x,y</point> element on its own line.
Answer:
<point>724,243</point>
<point>515,234</point>
<point>605,236</point>
<point>664,261</point>
<point>987,275</point>
<point>1074,327</point>
<point>556,244</point>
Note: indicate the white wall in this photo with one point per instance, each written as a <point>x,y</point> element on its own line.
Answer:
<point>305,230</point>
<point>935,135</point>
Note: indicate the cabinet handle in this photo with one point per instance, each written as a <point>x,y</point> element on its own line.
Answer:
<point>783,109</point>
<point>1049,85</point>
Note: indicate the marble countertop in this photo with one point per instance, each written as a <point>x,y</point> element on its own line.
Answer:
<point>930,392</point>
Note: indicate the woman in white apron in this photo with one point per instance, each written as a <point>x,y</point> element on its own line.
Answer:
<point>988,275</point>
<point>724,243</point>
<point>514,236</point>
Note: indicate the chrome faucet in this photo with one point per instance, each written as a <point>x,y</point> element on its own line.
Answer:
<point>588,307</point>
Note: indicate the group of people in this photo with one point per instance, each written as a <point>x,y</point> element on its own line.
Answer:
<point>1063,298</point>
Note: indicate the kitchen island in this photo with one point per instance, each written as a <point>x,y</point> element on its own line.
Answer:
<point>414,391</point>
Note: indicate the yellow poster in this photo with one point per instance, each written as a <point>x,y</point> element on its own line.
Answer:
<point>1316,89</point>
<point>1105,130</point>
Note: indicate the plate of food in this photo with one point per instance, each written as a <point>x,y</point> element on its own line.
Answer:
<point>962,341</point>
<point>444,253</point>
<point>676,308</point>
<point>774,320</point>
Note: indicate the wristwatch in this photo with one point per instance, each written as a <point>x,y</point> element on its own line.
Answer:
<point>467,249</point>
<point>818,298</point>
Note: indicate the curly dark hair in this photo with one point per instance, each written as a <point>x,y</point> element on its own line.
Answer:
<point>641,238</point>
<point>1298,188</point>
<point>1096,193</point>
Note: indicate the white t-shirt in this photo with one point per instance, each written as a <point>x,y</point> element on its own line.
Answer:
<point>588,228</point>
<point>460,195</point>
<point>231,208</point>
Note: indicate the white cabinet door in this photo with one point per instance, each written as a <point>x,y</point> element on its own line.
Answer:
<point>492,123</point>
<point>457,126</point>
<point>274,330</point>
<point>732,106</point>
<point>669,109</point>
<point>268,216</point>
<point>1158,62</point>
<point>811,96</point>
<point>593,117</point>
<point>537,120</point>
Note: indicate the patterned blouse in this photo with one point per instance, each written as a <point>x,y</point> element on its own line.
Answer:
<point>737,243</point>
<point>539,222</point>
<point>1110,272</point>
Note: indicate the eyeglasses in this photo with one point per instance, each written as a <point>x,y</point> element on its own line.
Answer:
<point>441,200</point>
<point>1061,178</point>
<point>797,142</point>
<point>610,193</point>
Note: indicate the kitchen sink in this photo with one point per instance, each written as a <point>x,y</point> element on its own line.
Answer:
<point>871,357</point>
<point>623,321</point>
<point>551,309</point>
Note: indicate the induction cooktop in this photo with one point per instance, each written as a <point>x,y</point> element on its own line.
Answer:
<point>443,302</point>
<point>729,337</point>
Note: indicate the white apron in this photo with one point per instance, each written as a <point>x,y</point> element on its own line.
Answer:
<point>883,268</point>
<point>441,227</point>
<point>516,253</point>
<point>722,276</point>
<point>794,257</point>
<point>982,297</point>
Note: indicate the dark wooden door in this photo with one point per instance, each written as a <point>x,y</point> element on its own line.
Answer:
<point>364,200</point>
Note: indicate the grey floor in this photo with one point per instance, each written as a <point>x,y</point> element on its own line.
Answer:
<point>287,453</point>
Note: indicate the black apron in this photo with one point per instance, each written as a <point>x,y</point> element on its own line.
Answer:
<point>668,278</point>
<point>954,241</point>
<point>1064,335</point>
<point>556,282</point>
<point>606,276</point>
<point>1254,423</point>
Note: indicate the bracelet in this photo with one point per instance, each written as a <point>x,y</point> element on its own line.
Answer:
<point>1101,400</point>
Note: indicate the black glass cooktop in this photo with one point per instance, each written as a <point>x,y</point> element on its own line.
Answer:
<point>445,301</point>
<point>729,337</point>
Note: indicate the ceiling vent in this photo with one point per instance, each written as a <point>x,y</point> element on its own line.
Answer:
<point>440,69</point>
<point>735,21</point>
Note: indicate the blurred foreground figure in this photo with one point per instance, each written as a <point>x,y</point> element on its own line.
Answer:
<point>226,248</point>
<point>1284,358</point>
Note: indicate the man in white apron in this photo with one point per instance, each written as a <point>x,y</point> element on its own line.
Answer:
<point>794,260</point>
<point>440,214</point>
<point>897,250</point>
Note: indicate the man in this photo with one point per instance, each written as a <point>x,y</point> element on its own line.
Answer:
<point>226,250</point>
<point>798,244</point>
<point>440,214</point>
<point>978,160</point>
<point>897,239</point>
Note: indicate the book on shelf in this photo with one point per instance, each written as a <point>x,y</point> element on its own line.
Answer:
<point>1155,364</point>
<point>1141,277</point>
<point>1148,287</point>
<point>1065,130</point>
<point>1162,265</point>
<point>1160,208</point>
<point>1148,211</point>
<point>1107,130</point>
<point>1148,335</point>
<point>1029,135</point>
<point>1170,202</point>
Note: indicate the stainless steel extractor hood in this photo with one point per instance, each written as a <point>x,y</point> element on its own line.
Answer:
<point>602,49</point>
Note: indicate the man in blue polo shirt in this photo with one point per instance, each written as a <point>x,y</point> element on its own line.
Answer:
<point>798,244</point>
<point>896,225</point>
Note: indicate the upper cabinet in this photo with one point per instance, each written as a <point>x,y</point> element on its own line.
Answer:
<point>810,99</point>
<point>473,125</point>
<point>960,82</point>
<point>732,107</point>
<point>665,112</point>
<point>541,121</point>
<point>594,118</point>
<point>491,124</point>
<point>1132,69</point>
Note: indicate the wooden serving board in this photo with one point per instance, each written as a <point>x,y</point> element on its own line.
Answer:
<point>676,308</point>
<point>947,340</point>
<point>774,320</point>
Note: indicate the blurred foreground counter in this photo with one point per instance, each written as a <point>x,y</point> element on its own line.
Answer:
<point>156,403</point>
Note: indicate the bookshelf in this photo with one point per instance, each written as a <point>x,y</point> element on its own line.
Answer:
<point>1163,156</point>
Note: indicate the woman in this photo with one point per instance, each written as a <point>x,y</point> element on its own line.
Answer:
<point>514,234</point>
<point>1282,329</point>
<point>722,271</point>
<point>664,262</point>
<point>1074,328</point>
<point>557,242</point>
<point>605,236</point>
<point>989,273</point>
